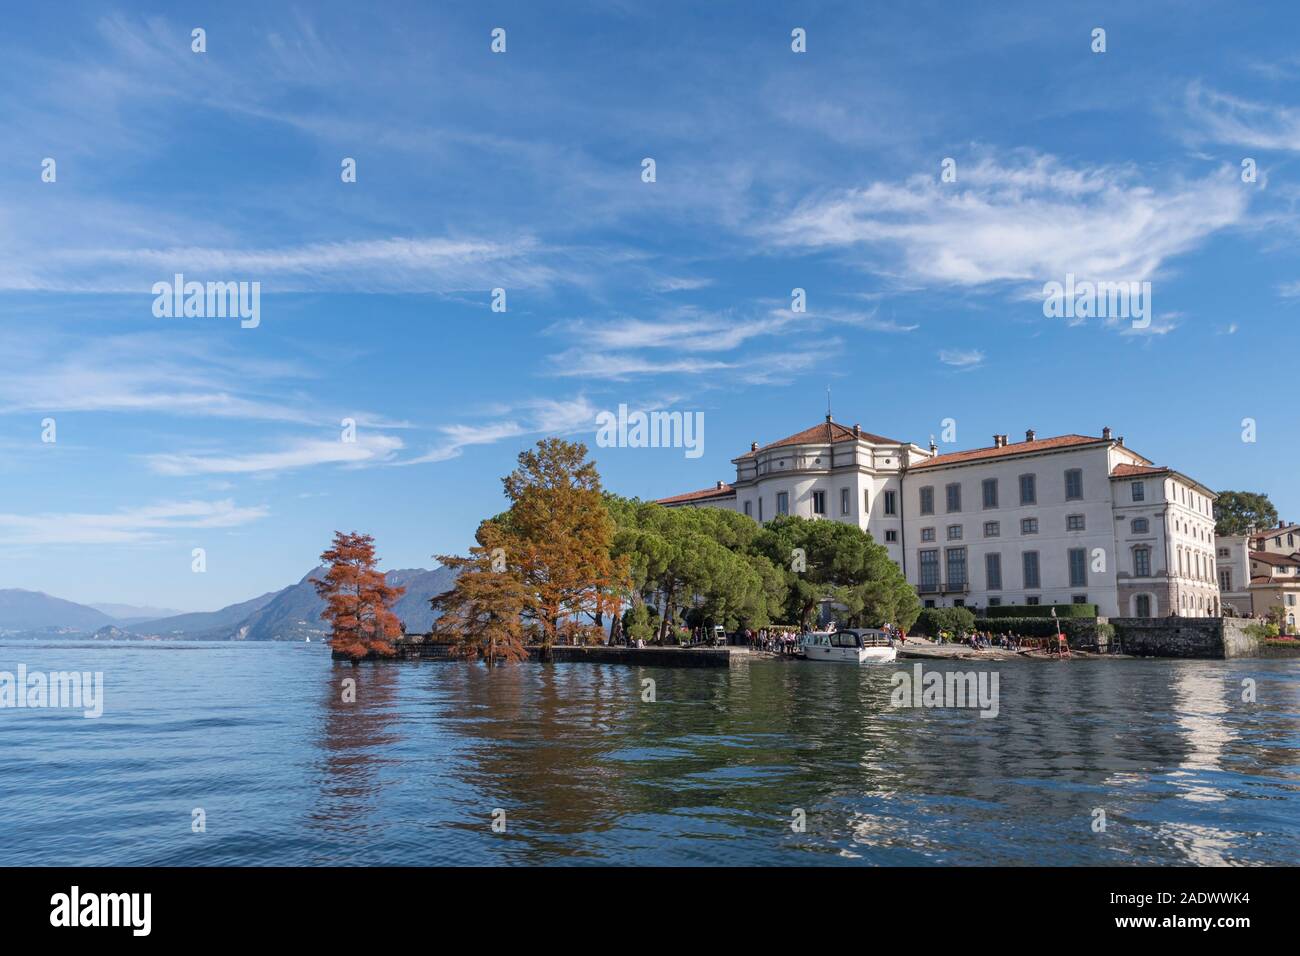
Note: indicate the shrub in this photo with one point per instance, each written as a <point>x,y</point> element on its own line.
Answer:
<point>954,620</point>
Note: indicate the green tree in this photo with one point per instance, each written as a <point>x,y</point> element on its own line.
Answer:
<point>1238,512</point>
<point>830,560</point>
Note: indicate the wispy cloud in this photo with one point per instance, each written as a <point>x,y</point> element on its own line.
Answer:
<point>367,449</point>
<point>1222,118</point>
<point>538,417</point>
<point>963,359</point>
<point>1010,223</point>
<point>127,526</point>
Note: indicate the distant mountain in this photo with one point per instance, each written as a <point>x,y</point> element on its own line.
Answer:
<point>207,625</point>
<point>293,613</point>
<point>130,614</point>
<point>33,610</point>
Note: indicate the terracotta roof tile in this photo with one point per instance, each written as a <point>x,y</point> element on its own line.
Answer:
<point>1131,471</point>
<point>1277,560</point>
<point>825,433</point>
<point>1011,448</point>
<point>726,491</point>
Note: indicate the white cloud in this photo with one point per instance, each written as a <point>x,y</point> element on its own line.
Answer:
<point>537,417</point>
<point>127,526</point>
<point>1030,221</point>
<point>368,449</point>
<point>964,359</point>
<point>1221,118</point>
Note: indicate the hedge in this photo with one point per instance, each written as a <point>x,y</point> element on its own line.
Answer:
<point>1041,610</point>
<point>1036,627</point>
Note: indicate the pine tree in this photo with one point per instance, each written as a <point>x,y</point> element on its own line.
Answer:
<point>358,599</point>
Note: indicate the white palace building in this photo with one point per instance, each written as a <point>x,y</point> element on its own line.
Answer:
<point>1057,520</point>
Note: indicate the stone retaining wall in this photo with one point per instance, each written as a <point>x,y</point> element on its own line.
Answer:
<point>1215,638</point>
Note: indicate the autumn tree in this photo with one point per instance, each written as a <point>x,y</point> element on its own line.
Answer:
<point>482,614</point>
<point>1238,512</point>
<point>358,599</point>
<point>555,542</point>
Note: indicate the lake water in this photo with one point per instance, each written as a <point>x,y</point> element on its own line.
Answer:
<point>711,772</point>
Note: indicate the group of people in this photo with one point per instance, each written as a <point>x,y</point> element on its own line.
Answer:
<point>983,640</point>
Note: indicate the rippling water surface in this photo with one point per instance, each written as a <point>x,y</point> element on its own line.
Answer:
<point>257,735</point>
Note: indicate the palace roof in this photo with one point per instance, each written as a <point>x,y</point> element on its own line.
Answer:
<point>1003,451</point>
<point>720,490</point>
<point>825,433</point>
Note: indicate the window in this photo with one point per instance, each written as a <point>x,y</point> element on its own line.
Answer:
<point>1142,562</point>
<point>845,500</point>
<point>866,501</point>
<point>990,487</point>
<point>1032,600</point>
<point>891,535</point>
<point>749,509</point>
<point>1141,526</point>
<point>992,529</point>
<point>1225,579</point>
<point>927,534</point>
<point>783,502</point>
<point>1029,526</point>
<point>1030,559</point>
<point>891,503</point>
<point>993,572</point>
<point>1290,600</point>
<point>760,510</point>
<point>956,561</point>
<point>1139,494</point>
<point>1073,484</point>
<point>929,570</point>
<point>819,502</point>
<point>954,532</point>
<point>1028,490</point>
<point>995,602</point>
<point>1074,522</point>
<point>1079,599</point>
<point>1078,567</point>
<point>1143,605</point>
<point>929,603</point>
<point>927,500</point>
<point>953,493</point>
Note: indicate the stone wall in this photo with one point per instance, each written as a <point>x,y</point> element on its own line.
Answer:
<point>1193,637</point>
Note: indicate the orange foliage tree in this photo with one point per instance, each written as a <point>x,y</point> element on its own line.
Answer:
<point>559,539</point>
<point>358,599</point>
<point>482,613</point>
<point>551,552</point>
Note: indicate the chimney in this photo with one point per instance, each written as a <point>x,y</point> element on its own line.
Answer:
<point>719,486</point>
<point>933,447</point>
<point>1120,441</point>
<point>753,446</point>
<point>857,430</point>
<point>1105,433</point>
<point>1029,434</point>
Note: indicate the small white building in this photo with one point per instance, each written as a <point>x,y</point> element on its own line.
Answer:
<point>1073,518</point>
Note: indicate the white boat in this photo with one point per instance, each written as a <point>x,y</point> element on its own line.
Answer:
<point>865,645</point>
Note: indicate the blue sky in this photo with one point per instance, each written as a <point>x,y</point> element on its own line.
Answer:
<point>522,171</point>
